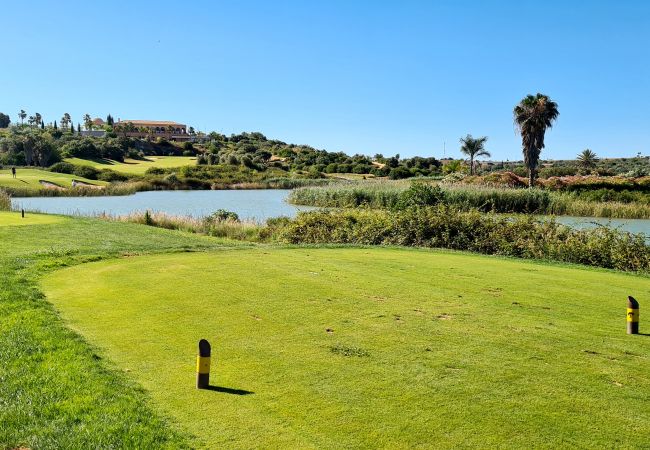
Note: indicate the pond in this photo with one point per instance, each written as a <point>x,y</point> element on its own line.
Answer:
<point>257,205</point>
<point>631,225</point>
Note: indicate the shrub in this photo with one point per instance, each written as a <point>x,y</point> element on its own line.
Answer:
<point>399,173</point>
<point>221,215</point>
<point>155,171</point>
<point>62,167</point>
<point>111,176</point>
<point>171,179</point>
<point>445,227</point>
<point>85,172</point>
<point>420,194</point>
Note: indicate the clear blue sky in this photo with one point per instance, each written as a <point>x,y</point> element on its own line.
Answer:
<point>358,76</point>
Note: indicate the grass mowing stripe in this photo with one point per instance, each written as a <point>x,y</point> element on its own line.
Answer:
<point>371,347</point>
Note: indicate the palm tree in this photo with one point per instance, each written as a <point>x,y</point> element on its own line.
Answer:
<point>533,115</point>
<point>473,148</point>
<point>22,115</point>
<point>587,159</point>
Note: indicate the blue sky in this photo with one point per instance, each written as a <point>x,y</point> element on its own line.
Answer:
<point>357,76</point>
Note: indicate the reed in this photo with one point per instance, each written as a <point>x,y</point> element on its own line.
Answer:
<point>228,228</point>
<point>5,201</point>
<point>388,194</point>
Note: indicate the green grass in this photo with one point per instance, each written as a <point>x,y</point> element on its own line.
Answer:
<point>28,179</point>
<point>372,347</point>
<point>56,391</point>
<point>8,219</point>
<point>136,166</point>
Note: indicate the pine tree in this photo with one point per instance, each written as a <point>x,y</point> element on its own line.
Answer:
<point>78,128</point>
<point>71,127</point>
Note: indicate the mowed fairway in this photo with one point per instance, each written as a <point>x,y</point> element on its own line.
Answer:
<point>339,348</point>
<point>30,179</point>
<point>136,166</point>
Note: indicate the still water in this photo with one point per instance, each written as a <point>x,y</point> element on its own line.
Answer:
<point>631,225</point>
<point>257,205</point>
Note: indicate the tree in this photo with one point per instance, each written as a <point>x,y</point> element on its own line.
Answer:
<point>22,115</point>
<point>55,126</point>
<point>71,127</point>
<point>109,120</point>
<point>473,148</point>
<point>42,125</point>
<point>78,128</point>
<point>533,115</point>
<point>65,121</point>
<point>88,122</point>
<point>38,118</point>
<point>5,120</point>
<point>587,159</point>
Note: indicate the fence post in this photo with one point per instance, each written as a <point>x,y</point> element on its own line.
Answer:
<point>203,365</point>
<point>632,316</point>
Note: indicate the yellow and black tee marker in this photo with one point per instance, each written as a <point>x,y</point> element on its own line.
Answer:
<point>632,316</point>
<point>203,365</point>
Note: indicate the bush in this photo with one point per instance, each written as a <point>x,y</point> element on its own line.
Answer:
<point>111,176</point>
<point>155,171</point>
<point>399,173</point>
<point>62,167</point>
<point>171,179</point>
<point>221,215</point>
<point>86,172</point>
<point>445,227</point>
<point>420,194</point>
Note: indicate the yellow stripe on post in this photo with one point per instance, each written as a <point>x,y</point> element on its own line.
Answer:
<point>632,316</point>
<point>203,365</point>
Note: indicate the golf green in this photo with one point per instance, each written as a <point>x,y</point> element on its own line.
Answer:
<point>345,347</point>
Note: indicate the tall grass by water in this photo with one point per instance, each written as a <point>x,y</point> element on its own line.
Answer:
<point>388,194</point>
<point>5,201</point>
<point>245,230</point>
<point>120,188</point>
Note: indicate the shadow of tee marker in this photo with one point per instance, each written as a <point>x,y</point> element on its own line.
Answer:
<point>226,390</point>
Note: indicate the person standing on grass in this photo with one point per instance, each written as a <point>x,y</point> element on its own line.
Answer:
<point>13,172</point>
